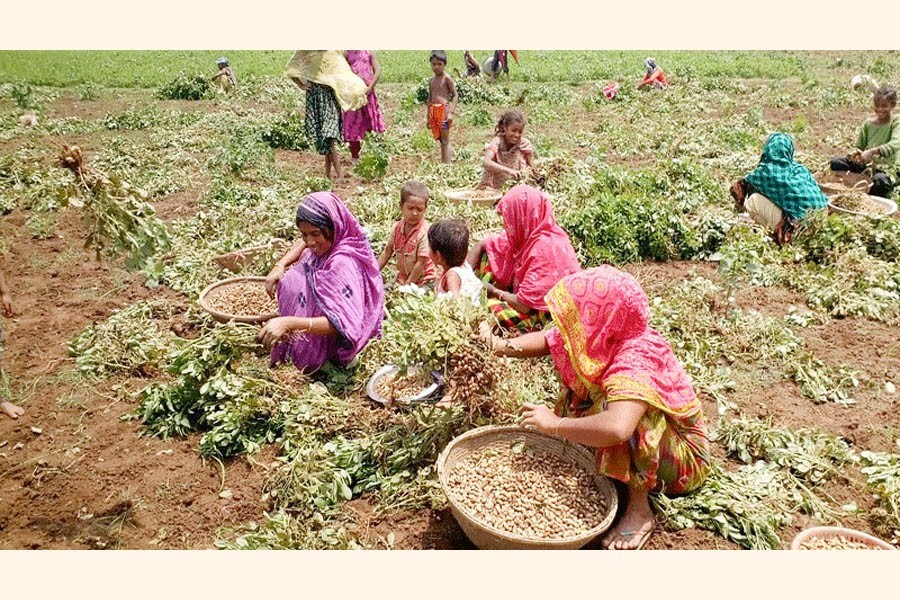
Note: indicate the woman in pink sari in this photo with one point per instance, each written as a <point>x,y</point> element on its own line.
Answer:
<point>331,303</point>
<point>625,393</point>
<point>368,118</point>
<point>520,265</point>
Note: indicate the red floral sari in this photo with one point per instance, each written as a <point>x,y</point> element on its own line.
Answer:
<point>605,352</point>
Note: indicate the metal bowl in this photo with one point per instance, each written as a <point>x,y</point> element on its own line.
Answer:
<point>890,205</point>
<point>432,393</point>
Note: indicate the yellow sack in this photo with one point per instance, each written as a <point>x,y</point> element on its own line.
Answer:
<point>329,67</point>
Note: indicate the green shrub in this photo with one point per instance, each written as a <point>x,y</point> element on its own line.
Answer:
<point>184,87</point>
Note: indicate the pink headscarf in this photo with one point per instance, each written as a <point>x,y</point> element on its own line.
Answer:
<point>603,347</point>
<point>533,253</point>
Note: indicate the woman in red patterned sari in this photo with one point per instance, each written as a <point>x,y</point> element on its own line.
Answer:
<point>626,395</point>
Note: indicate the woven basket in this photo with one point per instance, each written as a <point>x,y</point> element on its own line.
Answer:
<point>225,317</point>
<point>237,260</point>
<point>850,534</point>
<point>838,182</point>
<point>485,536</point>
<point>479,197</point>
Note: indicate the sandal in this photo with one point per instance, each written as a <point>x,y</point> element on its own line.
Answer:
<point>609,540</point>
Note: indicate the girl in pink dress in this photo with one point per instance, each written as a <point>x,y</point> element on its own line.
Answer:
<point>367,118</point>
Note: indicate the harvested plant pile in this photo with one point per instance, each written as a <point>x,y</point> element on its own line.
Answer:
<point>527,492</point>
<point>242,299</point>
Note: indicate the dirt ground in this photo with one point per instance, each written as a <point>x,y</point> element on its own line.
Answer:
<point>73,474</point>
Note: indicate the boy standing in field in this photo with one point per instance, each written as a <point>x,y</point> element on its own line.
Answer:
<point>442,101</point>
<point>7,407</point>
<point>409,239</point>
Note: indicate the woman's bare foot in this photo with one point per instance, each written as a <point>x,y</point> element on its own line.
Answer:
<point>636,526</point>
<point>11,410</point>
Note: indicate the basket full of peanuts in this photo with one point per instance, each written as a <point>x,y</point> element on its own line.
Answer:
<point>241,299</point>
<point>512,488</point>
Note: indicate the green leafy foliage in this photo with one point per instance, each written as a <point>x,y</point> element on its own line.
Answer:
<point>185,87</point>
<point>130,341</point>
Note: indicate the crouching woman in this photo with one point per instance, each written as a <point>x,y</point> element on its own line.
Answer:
<point>625,394</point>
<point>331,303</point>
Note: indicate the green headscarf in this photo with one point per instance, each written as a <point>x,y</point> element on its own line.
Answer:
<point>788,184</point>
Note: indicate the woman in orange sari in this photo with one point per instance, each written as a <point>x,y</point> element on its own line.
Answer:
<point>626,395</point>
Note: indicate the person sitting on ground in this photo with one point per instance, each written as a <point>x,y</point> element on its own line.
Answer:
<point>449,241</point>
<point>624,393</point>
<point>878,146</point>
<point>779,193</point>
<point>224,79</point>
<point>331,303</point>
<point>508,154</point>
<point>6,407</point>
<point>520,265</point>
<point>409,239</point>
<point>655,76</point>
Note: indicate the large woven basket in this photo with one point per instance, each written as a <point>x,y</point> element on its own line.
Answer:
<point>485,536</point>
<point>225,317</point>
<point>478,197</point>
<point>237,260</point>
<point>850,534</point>
<point>838,182</point>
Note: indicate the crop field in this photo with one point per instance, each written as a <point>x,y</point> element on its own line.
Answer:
<point>149,425</point>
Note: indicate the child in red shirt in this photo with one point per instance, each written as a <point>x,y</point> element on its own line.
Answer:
<point>410,238</point>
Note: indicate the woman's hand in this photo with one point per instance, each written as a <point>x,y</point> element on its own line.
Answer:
<point>272,279</point>
<point>273,331</point>
<point>486,333</point>
<point>540,417</point>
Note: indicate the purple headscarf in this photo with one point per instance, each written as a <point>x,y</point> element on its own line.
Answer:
<point>344,286</point>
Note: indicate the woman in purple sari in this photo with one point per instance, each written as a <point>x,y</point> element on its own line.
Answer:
<point>331,303</point>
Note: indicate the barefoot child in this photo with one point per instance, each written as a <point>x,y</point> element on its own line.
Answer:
<point>442,102</point>
<point>878,146</point>
<point>449,241</point>
<point>508,154</point>
<point>224,79</point>
<point>410,238</point>
<point>7,407</point>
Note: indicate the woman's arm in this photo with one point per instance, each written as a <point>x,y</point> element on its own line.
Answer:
<point>376,71</point>
<point>278,271</point>
<point>278,327</point>
<point>300,83</point>
<point>474,256</point>
<point>529,345</point>
<point>611,427</point>
<point>508,297</point>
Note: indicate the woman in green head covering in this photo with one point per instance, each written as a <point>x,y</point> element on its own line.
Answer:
<point>779,192</point>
